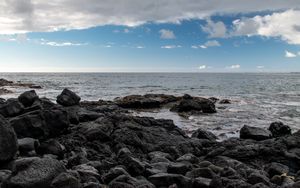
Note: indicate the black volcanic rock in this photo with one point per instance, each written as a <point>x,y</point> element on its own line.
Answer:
<point>27,98</point>
<point>8,141</point>
<point>34,172</point>
<point>279,129</point>
<point>195,104</point>
<point>254,133</point>
<point>11,108</point>
<point>202,134</point>
<point>68,98</point>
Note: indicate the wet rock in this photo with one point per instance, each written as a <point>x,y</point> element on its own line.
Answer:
<point>34,173</point>
<point>51,147</point>
<point>8,141</point>
<point>4,82</point>
<point>41,124</point>
<point>195,104</point>
<point>254,133</point>
<point>164,179</point>
<point>213,99</point>
<point>2,101</point>
<point>27,146</point>
<point>27,98</point>
<point>137,101</point>
<point>68,98</point>
<point>11,108</point>
<point>202,134</point>
<point>65,180</point>
<point>279,129</point>
<point>225,101</point>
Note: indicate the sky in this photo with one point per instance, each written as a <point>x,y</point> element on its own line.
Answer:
<point>149,36</point>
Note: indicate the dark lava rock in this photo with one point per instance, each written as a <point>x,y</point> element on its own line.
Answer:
<point>201,182</point>
<point>68,98</point>
<point>11,108</point>
<point>137,101</point>
<point>165,180</point>
<point>8,141</point>
<point>27,145</point>
<point>195,104</point>
<point>51,146</point>
<point>279,129</point>
<point>34,173</point>
<point>179,168</point>
<point>27,98</point>
<point>225,101</point>
<point>201,172</point>
<point>4,82</point>
<point>257,177</point>
<point>213,99</point>
<point>114,173</point>
<point>277,169</point>
<point>189,157</point>
<point>254,133</point>
<point>65,180</point>
<point>202,134</point>
<point>2,101</point>
<point>41,124</point>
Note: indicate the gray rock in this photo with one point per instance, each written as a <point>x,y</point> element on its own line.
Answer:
<point>11,108</point>
<point>279,129</point>
<point>8,141</point>
<point>257,177</point>
<point>65,180</point>
<point>202,182</point>
<point>179,168</point>
<point>68,98</point>
<point>202,134</point>
<point>188,158</point>
<point>254,133</point>
<point>51,146</point>
<point>27,145</point>
<point>201,172</point>
<point>277,169</point>
<point>114,173</point>
<point>165,180</point>
<point>34,173</point>
<point>27,98</point>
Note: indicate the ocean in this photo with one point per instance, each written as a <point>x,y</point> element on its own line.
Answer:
<point>257,98</point>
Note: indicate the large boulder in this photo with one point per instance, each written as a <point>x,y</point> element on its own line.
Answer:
<point>34,173</point>
<point>68,98</point>
<point>137,101</point>
<point>27,98</point>
<point>254,133</point>
<point>279,129</point>
<point>41,124</point>
<point>202,134</point>
<point>11,108</point>
<point>195,104</point>
<point>8,141</point>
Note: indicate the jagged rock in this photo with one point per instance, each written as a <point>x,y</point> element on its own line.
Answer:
<point>277,169</point>
<point>87,172</point>
<point>202,182</point>
<point>27,98</point>
<point>189,157</point>
<point>65,180</point>
<point>114,173</point>
<point>137,101</point>
<point>51,147</point>
<point>201,172</point>
<point>134,165</point>
<point>195,104</point>
<point>41,124</point>
<point>11,108</point>
<point>8,141</point>
<point>27,145</point>
<point>279,129</point>
<point>202,134</point>
<point>165,180</point>
<point>179,168</point>
<point>68,98</point>
<point>254,133</point>
<point>34,173</point>
<point>225,101</point>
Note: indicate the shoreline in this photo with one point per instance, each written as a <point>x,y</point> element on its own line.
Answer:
<point>101,144</point>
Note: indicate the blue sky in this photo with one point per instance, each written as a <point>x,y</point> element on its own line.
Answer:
<point>239,41</point>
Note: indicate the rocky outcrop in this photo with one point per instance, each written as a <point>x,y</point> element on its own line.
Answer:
<point>101,144</point>
<point>254,133</point>
<point>195,104</point>
<point>8,141</point>
<point>68,98</point>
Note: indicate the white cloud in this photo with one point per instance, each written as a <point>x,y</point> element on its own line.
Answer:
<point>140,47</point>
<point>171,46</point>
<point>210,43</point>
<point>289,54</point>
<point>167,34</point>
<point>60,44</point>
<point>237,66</point>
<point>215,29</point>
<point>201,67</point>
<point>194,47</point>
<point>284,25</point>
<point>22,16</point>
<point>260,67</point>
<point>203,46</point>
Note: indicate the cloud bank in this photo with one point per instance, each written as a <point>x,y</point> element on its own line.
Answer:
<point>22,16</point>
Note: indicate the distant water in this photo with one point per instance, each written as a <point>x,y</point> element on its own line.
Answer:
<point>258,98</point>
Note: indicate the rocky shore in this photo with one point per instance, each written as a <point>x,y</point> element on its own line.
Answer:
<point>7,83</point>
<point>99,144</point>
